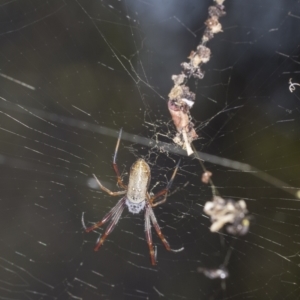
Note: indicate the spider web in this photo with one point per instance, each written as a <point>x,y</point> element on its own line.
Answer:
<point>72,74</point>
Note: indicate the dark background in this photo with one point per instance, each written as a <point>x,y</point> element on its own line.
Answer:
<point>97,66</point>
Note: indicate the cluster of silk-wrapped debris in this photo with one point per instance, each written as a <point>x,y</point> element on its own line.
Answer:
<point>181,99</point>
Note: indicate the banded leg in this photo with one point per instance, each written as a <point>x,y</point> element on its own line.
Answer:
<point>149,235</point>
<point>115,219</point>
<point>115,166</point>
<point>165,191</point>
<point>107,217</point>
<point>105,189</point>
<point>157,228</point>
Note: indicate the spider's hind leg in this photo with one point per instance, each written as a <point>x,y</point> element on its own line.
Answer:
<point>165,191</point>
<point>115,166</point>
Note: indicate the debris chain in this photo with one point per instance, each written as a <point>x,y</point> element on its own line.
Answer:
<point>181,99</point>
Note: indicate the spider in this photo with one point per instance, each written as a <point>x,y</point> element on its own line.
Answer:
<point>136,199</point>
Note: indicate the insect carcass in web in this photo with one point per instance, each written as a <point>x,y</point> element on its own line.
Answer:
<point>136,199</point>
<point>228,213</point>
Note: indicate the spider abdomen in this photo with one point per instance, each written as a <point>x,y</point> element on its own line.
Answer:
<point>139,180</point>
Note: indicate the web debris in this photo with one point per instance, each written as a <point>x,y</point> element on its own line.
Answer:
<point>292,85</point>
<point>181,99</point>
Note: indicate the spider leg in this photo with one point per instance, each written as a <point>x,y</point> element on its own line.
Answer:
<point>112,225</point>
<point>107,217</point>
<point>164,192</point>
<point>115,166</point>
<point>103,188</point>
<point>156,226</point>
<point>158,230</point>
<point>149,236</point>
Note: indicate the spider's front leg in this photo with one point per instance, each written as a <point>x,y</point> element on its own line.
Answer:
<point>114,215</point>
<point>149,235</point>
<point>150,216</point>
<point>110,215</point>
